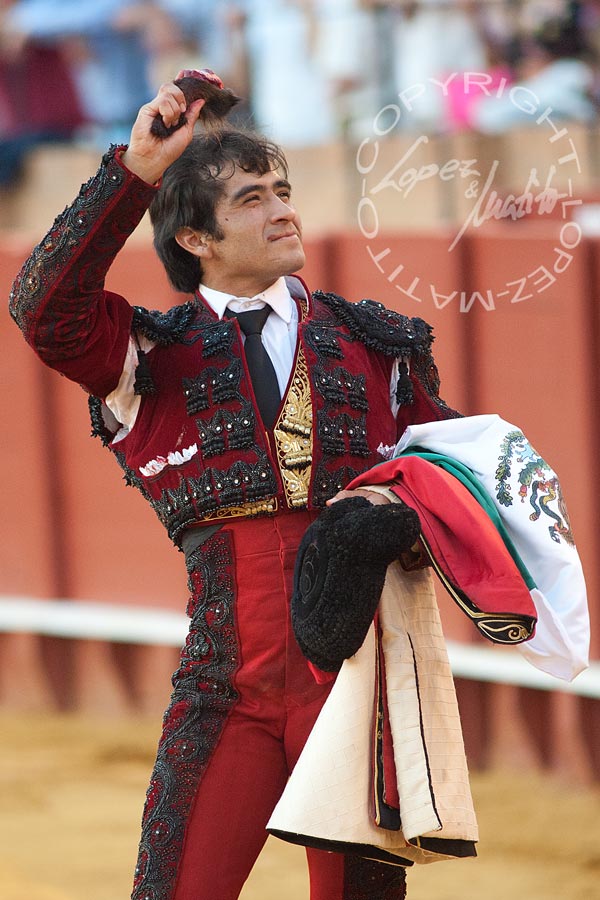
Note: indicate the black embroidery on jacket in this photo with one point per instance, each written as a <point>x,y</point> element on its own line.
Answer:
<point>213,491</point>
<point>379,328</point>
<point>99,428</point>
<point>131,478</point>
<point>340,434</point>
<point>330,431</point>
<point>227,430</point>
<point>330,385</point>
<point>343,434</point>
<point>327,482</point>
<point>164,328</point>
<point>357,390</point>
<point>212,435</point>
<point>212,387</point>
<point>340,387</point>
<point>323,340</point>
<point>425,370</point>
<point>393,334</point>
<point>63,242</point>
<point>217,338</point>
<point>239,427</point>
<point>356,430</point>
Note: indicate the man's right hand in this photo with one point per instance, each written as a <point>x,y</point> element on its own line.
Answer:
<point>148,156</point>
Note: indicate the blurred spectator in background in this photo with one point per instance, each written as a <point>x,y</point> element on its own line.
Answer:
<point>109,64</point>
<point>432,39</point>
<point>345,54</point>
<point>538,44</point>
<point>318,79</point>
<point>287,91</point>
<point>557,67</point>
<point>497,27</point>
<point>191,34</point>
<point>38,99</point>
<point>588,18</point>
<point>116,49</point>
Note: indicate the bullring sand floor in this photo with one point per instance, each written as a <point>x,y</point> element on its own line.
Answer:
<point>72,790</point>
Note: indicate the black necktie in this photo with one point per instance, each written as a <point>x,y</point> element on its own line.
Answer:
<point>262,373</point>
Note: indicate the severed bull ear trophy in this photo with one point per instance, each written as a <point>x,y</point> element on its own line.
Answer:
<point>199,85</point>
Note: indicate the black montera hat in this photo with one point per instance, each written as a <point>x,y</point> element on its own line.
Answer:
<point>340,572</point>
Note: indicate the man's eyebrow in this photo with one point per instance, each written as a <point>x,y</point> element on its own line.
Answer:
<point>259,188</point>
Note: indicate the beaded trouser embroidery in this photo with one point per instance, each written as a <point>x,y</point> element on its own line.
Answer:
<point>202,698</point>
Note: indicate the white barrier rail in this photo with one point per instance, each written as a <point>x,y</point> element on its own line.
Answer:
<point>93,621</point>
<point>143,625</point>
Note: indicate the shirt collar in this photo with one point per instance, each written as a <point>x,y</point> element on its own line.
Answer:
<point>277,296</point>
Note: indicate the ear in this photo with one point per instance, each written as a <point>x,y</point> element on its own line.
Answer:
<point>195,242</point>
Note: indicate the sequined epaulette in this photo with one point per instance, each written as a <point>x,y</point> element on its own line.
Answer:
<point>379,328</point>
<point>164,328</point>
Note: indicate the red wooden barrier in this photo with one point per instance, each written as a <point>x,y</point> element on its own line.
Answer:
<point>28,547</point>
<point>30,541</point>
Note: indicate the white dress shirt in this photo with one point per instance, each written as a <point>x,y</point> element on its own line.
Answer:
<point>280,331</point>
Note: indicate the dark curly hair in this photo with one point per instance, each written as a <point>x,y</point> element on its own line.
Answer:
<point>193,185</point>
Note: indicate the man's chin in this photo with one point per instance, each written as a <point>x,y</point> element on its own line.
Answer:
<point>297,261</point>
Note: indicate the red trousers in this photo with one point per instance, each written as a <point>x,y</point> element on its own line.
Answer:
<point>244,702</point>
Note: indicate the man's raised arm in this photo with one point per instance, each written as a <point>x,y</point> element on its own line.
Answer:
<point>58,299</point>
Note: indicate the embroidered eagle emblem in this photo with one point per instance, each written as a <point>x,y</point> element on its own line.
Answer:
<point>534,480</point>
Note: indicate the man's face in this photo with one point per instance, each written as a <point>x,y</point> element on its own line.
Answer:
<point>262,235</point>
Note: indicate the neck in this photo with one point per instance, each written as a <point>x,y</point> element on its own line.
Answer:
<point>241,288</point>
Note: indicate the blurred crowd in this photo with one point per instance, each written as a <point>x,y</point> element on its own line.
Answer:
<point>310,71</point>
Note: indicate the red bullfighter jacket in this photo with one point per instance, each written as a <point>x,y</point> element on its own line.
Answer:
<point>197,414</point>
